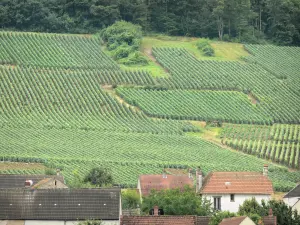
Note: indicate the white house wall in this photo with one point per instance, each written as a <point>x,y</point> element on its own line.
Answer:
<point>43,222</point>
<point>291,201</point>
<point>226,204</point>
<point>247,221</point>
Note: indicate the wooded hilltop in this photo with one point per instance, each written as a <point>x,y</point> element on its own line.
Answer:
<point>251,21</point>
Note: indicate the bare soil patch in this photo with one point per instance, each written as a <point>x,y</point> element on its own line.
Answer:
<point>253,99</point>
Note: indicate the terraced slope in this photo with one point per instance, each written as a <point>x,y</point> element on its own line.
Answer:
<point>128,154</point>
<point>54,109</point>
<point>273,96</point>
<point>51,50</point>
<point>283,62</point>
<point>228,106</point>
<point>280,142</point>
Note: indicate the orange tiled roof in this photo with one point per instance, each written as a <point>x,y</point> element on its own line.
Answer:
<point>236,183</point>
<point>157,182</point>
<point>233,221</point>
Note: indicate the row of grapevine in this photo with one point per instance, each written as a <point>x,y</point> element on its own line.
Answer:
<point>283,62</point>
<point>128,154</point>
<point>48,50</point>
<point>280,142</point>
<point>286,153</point>
<point>194,105</point>
<point>273,96</point>
<point>65,100</point>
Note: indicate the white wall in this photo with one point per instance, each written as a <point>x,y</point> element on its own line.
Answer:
<point>291,201</point>
<point>226,204</point>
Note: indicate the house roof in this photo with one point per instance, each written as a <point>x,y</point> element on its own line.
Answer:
<point>295,192</point>
<point>164,220</point>
<point>59,204</point>
<point>158,182</point>
<point>233,220</point>
<point>236,183</point>
<point>18,181</point>
<point>48,183</point>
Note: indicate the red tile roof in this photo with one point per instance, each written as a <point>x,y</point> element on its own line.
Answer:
<point>233,220</point>
<point>236,183</point>
<point>157,182</point>
<point>164,220</point>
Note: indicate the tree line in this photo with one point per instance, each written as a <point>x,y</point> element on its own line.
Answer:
<point>249,21</point>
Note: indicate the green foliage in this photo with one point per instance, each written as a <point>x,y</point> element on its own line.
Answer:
<point>130,199</point>
<point>194,105</point>
<point>99,177</point>
<point>239,136</point>
<point>284,213</point>
<point>251,207</point>
<point>49,171</point>
<point>205,47</point>
<point>217,218</point>
<point>91,222</point>
<point>273,96</point>
<point>124,40</point>
<point>178,202</point>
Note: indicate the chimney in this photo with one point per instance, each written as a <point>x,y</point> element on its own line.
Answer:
<point>57,172</point>
<point>270,212</point>
<point>164,174</point>
<point>28,183</point>
<point>199,179</point>
<point>155,210</point>
<point>265,170</point>
<point>190,173</point>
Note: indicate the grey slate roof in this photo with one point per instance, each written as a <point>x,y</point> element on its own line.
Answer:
<point>59,204</point>
<point>294,192</point>
<point>18,181</point>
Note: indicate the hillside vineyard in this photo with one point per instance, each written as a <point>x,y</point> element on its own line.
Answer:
<point>67,104</point>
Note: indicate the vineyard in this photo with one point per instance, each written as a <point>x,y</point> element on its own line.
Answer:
<point>226,106</point>
<point>68,105</point>
<point>128,154</point>
<point>280,142</point>
<point>283,62</point>
<point>273,96</point>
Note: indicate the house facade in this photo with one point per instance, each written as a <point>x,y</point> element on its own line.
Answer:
<point>242,220</point>
<point>228,190</point>
<point>293,198</point>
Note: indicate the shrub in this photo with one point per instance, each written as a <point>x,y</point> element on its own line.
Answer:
<point>205,47</point>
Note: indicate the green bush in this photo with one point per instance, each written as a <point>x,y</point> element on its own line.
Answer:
<point>205,47</point>
<point>123,40</point>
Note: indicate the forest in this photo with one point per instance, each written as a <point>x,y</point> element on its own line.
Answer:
<point>245,21</point>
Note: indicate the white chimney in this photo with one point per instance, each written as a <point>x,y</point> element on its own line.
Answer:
<point>199,180</point>
<point>265,170</point>
<point>28,183</point>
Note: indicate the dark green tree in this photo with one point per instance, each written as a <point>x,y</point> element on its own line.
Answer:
<point>99,177</point>
<point>178,202</point>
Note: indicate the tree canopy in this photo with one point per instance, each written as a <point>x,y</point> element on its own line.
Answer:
<point>99,177</point>
<point>245,21</point>
<point>178,202</point>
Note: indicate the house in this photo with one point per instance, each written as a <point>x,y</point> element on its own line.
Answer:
<point>242,220</point>
<point>146,183</point>
<point>293,198</point>
<point>8,181</point>
<point>228,190</point>
<point>156,219</point>
<point>59,206</point>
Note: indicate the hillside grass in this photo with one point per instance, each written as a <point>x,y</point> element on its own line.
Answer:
<point>223,51</point>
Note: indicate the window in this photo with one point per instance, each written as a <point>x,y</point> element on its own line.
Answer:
<point>232,197</point>
<point>217,203</point>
